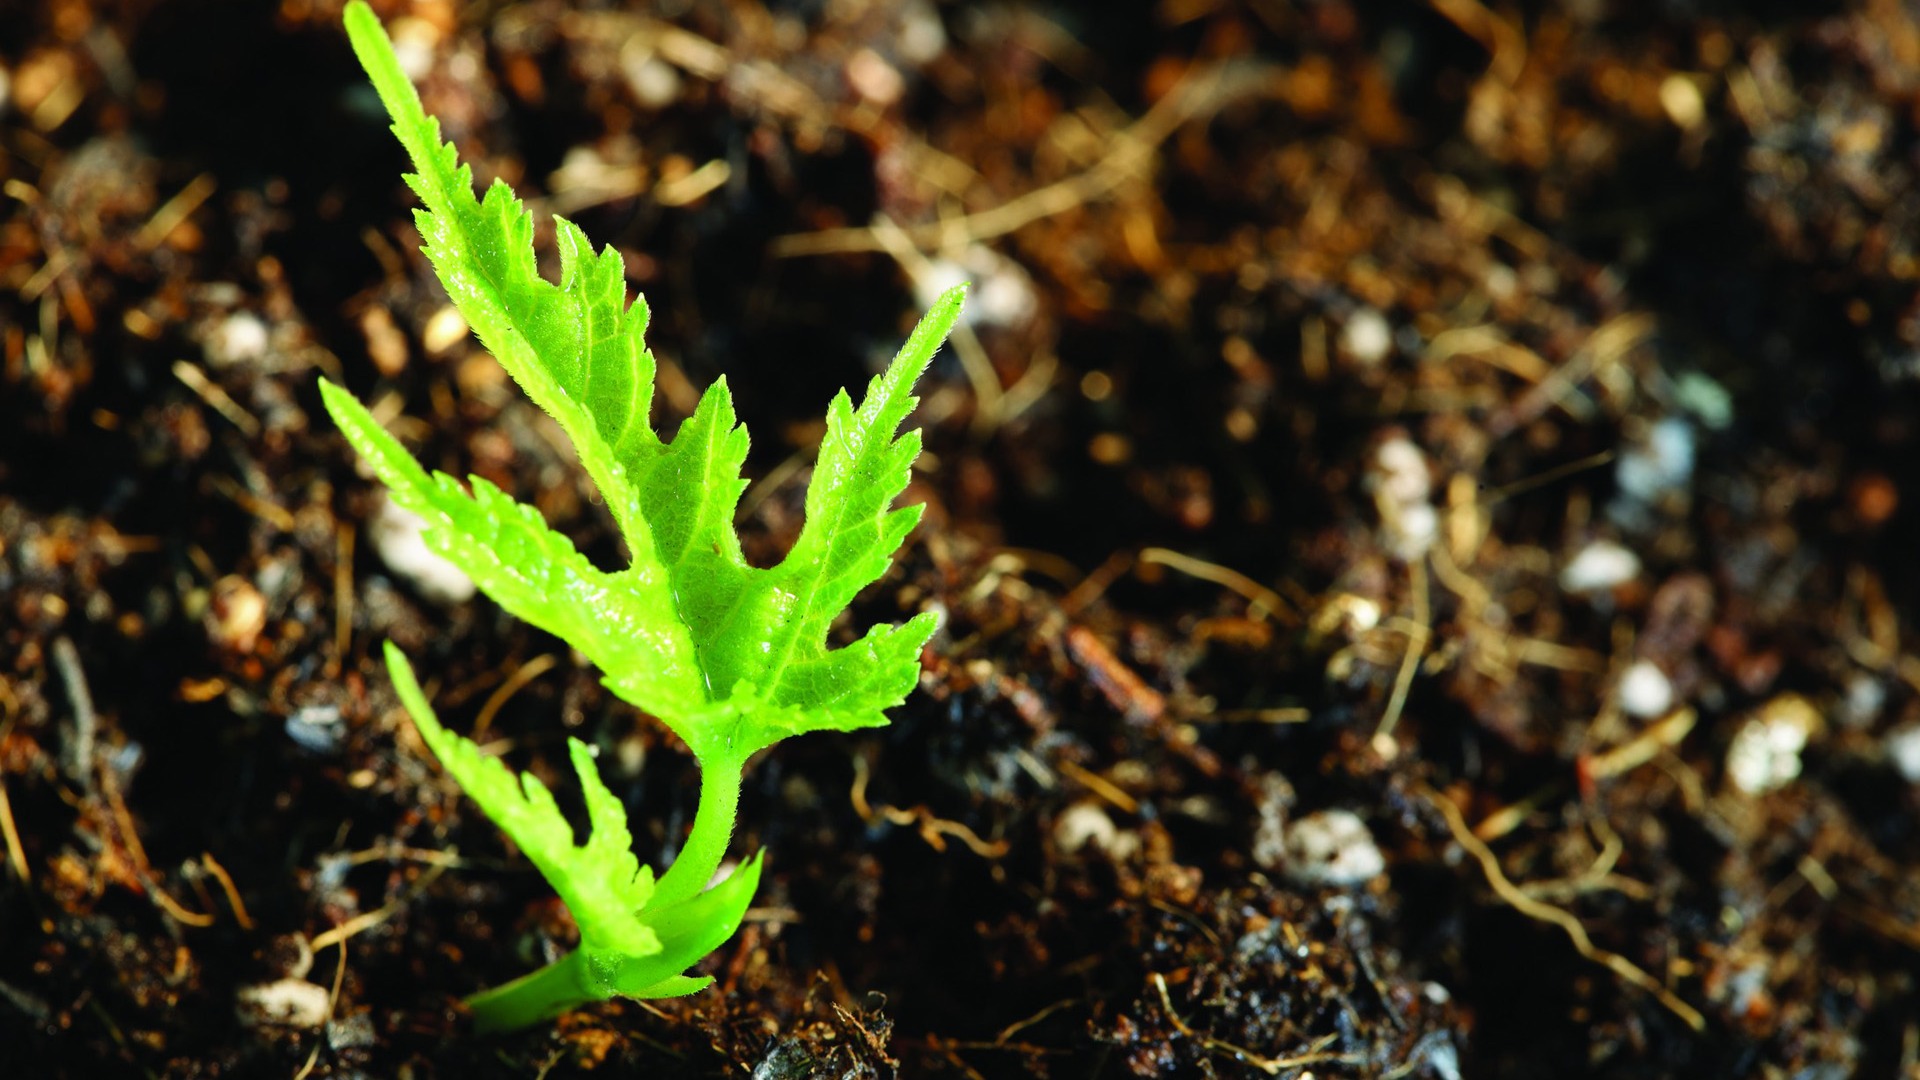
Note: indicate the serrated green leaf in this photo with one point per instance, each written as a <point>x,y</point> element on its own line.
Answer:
<point>602,882</point>
<point>731,657</point>
<point>733,645</point>
<point>576,347</point>
<point>773,642</point>
<point>622,622</point>
<point>689,497</point>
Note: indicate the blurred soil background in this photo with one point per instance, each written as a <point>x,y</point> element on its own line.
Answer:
<point>1424,511</point>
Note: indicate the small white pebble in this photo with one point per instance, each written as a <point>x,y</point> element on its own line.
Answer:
<point>1367,337</point>
<point>1866,697</point>
<point>1500,281</point>
<point>317,728</point>
<point>879,82</point>
<point>236,615</point>
<point>1333,847</point>
<point>1700,395</point>
<point>1600,566</point>
<point>1269,847</point>
<point>386,345</point>
<point>1003,295</point>
<point>463,67</point>
<point>398,537</point>
<point>631,756</point>
<point>1402,483</point>
<point>1645,691</point>
<point>1086,824</point>
<point>1664,462</point>
<point>1082,824</point>
<point>1401,472</point>
<point>1765,754</point>
<point>921,37</point>
<point>1903,748</point>
<point>1411,533</point>
<point>292,1003</point>
<point>414,40</point>
<point>1681,98</point>
<point>239,339</point>
<point>1362,614</point>
<point>654,82</point>
<point>1348,614</point>
<point>1745,986</point>
<point>445,328</point>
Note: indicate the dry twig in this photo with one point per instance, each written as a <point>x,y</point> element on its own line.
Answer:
<point>369,920</point>
<point>16,854</point>
<point>1262,602</point>
<point>520,677</point>
<point>1539,911</point>
<point>226,885</point>
<point>932,829</point>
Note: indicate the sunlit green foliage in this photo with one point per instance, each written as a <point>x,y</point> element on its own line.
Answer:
<point>732,657</point>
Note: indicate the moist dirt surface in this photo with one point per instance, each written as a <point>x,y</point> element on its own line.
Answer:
<point>1420,513</point>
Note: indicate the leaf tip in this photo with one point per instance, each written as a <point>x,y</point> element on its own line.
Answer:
<point>357,12</point>
<point>397,666</point>
<point>927,337</point>
<point>953,298</point>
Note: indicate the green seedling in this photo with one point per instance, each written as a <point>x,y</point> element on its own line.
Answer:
<point>731,657</point>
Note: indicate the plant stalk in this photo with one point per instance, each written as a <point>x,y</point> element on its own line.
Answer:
<point>536,996</point>
<point>706,845</point>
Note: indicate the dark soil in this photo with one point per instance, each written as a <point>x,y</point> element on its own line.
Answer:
<point>1421,515</point>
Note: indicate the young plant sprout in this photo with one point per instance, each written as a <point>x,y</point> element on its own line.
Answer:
<point>732,658</point>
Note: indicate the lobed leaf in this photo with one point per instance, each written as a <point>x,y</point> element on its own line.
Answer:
<point>772,643</point>
<point>602,882</point>
<point>622,622</point>
<point>576,347</point>
<point>689,496</point>
<point>733,658</point>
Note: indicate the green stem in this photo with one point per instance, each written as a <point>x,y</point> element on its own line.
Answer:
<point>536,996</point>
<point>707,843</point>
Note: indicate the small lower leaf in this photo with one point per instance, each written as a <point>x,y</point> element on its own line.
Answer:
<point>603,884</point>
<point>688,931</point>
